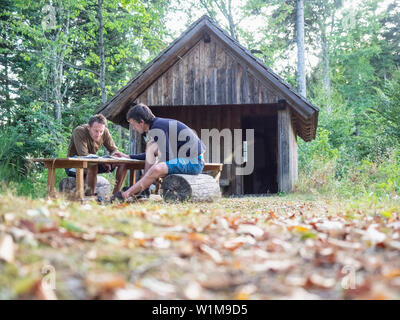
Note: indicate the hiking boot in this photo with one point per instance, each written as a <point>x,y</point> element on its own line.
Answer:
<point>100,200</point>
<point>89,194</point>
<point>144,194</point>
<point>117,197</point>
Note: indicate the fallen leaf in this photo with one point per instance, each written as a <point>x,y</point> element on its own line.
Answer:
<point>373,236</point>
<point>387,214</point>
<point>253,230</point>
<point>218,281</point>
<point>27,224</point>
<point>92,254</point>
<point>394,244</point>
<point>104,281</point>
<point>7,248</point>
<point>320,281</point>
<point>44,292</point>
<point>131,293</point>
<point>301,294</point>
<point>53,226</point>
<point>237,242</point>
<point>9,218</point>
<point>392,273</point>
<point>186,249</point>
<point>158,286</point>
<point>36,212</point>
<point>193,291</point>
<point>244,292</point>
<point>68,225</point>
<point>301,229</point>
<point>22,235</point>
<point>196,237</point>
<point>214,254</point>
<point>272,214</point>
<point>274,265</point>
<point>344,244</point>
<point>330,226</point>
<point>172,237</point>
<point>161,243</point>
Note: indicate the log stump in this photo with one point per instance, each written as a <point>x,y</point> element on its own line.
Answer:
<point>185,187</point>
<point>103,187</point>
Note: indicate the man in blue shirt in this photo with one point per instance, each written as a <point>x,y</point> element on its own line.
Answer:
<point>177,147</point>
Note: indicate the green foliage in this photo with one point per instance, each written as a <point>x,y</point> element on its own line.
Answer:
<point>388,106</point>
<point>32,134</point>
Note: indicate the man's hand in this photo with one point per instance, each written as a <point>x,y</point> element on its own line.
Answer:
<point>120,155</point>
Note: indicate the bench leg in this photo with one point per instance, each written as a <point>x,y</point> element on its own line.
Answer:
<point>50,182</point>
<point>217,175</point>
<point>158,184</point>
<point>80,184</point>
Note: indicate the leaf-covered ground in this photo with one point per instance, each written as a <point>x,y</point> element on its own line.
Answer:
<point>236,248</point>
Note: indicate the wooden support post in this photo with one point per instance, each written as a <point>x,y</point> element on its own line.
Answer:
<point>287,151</point>
<point>80,184</point>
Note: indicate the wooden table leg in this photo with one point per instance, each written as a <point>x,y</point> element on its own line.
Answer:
<point>50,182</point>
<point>132,177</point>
<point>80,184</point>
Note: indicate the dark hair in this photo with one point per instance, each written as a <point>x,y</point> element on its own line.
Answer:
<point>140,112</point>
<point>97,118</point>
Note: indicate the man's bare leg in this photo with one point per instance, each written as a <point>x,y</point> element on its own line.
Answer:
<point>157,171</point>
<point>120,177</point>
<point>91,178</point>
<point>151,155</point>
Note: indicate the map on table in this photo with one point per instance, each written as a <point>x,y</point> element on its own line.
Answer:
<point>95,156</point>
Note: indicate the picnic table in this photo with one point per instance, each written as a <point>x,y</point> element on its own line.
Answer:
<point>81,163</point>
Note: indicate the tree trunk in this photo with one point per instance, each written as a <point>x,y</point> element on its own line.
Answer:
<point>326,79</point>
<point>58,71</point>
<point>101,53</point>
<point>57,81</point>
<point>232,27</point>
<point>325,61</point>
<point>6,81</point>
<point>185,187</point>
<point>300,49</point>
<point>225,8</point>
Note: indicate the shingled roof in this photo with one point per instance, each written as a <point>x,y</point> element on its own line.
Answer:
<point>305,114</point>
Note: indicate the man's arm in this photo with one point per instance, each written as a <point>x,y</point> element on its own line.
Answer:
<point>80,142</point>
<point>139,156</point>
<point>109,142</point>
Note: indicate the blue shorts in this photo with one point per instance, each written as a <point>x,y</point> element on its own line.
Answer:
<point>185,165</point>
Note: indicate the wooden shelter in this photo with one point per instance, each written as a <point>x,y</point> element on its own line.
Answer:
<point>207,80</point>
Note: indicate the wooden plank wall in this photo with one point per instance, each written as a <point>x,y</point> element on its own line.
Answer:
<point>208,74</point>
